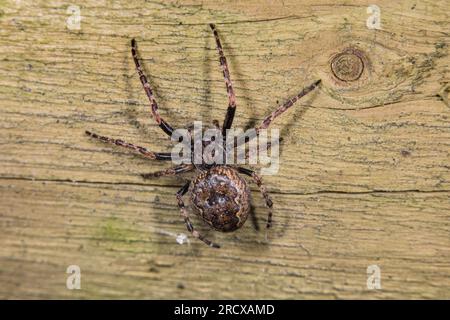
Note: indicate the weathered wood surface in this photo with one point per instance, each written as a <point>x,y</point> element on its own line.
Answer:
<point>365,170</point>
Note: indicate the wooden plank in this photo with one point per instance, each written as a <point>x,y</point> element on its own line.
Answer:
<point>364,166</point>
<point>122,237</point>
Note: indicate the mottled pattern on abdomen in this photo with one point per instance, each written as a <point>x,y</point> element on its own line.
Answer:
<point>221,198</point>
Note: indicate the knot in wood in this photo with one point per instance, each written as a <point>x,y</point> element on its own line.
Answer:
<point>348,65</point>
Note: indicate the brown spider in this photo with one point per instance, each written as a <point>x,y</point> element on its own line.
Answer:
<point>219,194</point>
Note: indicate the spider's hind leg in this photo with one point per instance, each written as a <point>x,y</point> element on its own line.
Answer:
<point>169,172</point>
<point>185,215</point>
<point>262,188</point>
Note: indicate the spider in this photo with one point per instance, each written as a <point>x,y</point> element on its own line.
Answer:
<point>218,193</point>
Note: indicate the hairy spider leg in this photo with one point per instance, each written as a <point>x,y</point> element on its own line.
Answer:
<point>184,213</point>
<point>141,150</point>
<point>268,120</point>
<point>262,188</point>
<point>216,124</point>
<point>226,74</point>
<point>148,90</point>
<point>281,109</point>
<point>169,172</point>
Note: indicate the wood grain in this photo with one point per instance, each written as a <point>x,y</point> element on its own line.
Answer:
<point>364,166</point>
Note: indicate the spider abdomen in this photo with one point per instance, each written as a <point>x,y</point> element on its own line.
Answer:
<point>221,197</point>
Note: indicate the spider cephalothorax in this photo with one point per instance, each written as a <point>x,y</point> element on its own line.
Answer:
<point>219,195</point>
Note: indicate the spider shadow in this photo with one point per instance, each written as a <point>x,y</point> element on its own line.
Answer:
<point>296,116</point>
<point>280,227</point>
<point>206,76</point>
<point>299,113</point>
<point>254,218</point>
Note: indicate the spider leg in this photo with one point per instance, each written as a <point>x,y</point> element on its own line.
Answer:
<point>148,90</point>
<point>169,172</point>
<point>185,215</point>
<point>226,74</point>
<point>268,120</point>
<point>262,188</point>
<point>216,124</point>
<point>141,150</point>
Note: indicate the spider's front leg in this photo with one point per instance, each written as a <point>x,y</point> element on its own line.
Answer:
<point>185,215</point>
<point>262,188</point>
<point>230,91</point>
<point>281,109</point>
<point>141,150</point>
<point>148,90</point>
<point>268,120</point>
